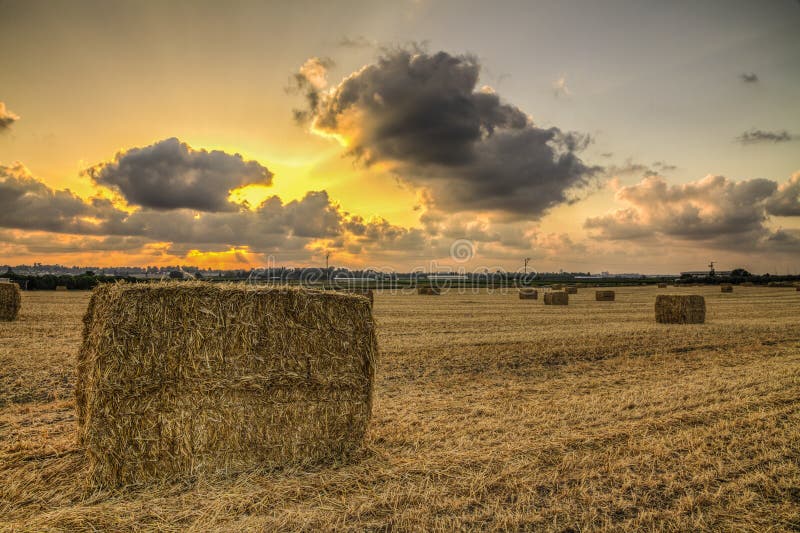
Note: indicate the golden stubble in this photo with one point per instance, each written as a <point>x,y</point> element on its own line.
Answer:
<point>490,413</point>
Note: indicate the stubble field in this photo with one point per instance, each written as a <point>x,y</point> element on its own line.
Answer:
<point>490,413</point>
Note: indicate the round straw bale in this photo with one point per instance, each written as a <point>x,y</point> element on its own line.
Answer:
<point>726,288</point>
<point>10,301</point>
<point>680,309</point>
<point>193,378</point>
<point>430,291</point>
<point>662,285</point>
<point>556,298</point>
<point>604,296</point>
<point>528,294</point>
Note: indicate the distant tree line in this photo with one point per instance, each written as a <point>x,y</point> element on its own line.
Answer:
<point>49,282</point>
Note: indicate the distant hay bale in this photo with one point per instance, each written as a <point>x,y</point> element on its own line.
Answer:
<point>726,288</point>
<point>556,298</point>
<point>10,301</point>
<point>430,291</point>
<point>779,284</point>
<point>192,378</point>
<point>528,294</point>
<point>680,309</point>
<point>662,285</point>
<point>557,287</point>
<point>571,290</point>
<point>61,287</point>
<point>747,284</point>
<point>604,296</point>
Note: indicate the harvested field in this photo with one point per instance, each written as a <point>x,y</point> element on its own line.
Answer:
<point>489,413</point>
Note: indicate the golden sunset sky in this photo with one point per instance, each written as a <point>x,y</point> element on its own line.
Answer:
<point>623,135</point>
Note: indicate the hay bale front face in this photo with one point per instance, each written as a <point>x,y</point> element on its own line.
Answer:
<point>10,301</point>
<point>178,379</point>
<point>604,296</point>
<point>528,294</point>
<point>556,298</point>
<point>679,309</point>
<point>726,288</point>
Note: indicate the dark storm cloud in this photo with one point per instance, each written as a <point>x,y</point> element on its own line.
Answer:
<point>27,203</point>
<point>715,210</point>
<point>749,77</point>
<point>358,41</point>
<point>424,115</point>
<point>7,118</point>
<point>170,174</point>
<point>310,80</point>
<point>786,200</point>
<point>760,136</point>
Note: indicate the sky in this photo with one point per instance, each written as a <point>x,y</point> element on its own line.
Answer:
<point>622,136</point>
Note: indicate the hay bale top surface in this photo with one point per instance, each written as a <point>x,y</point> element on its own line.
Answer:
<point>188,378</point>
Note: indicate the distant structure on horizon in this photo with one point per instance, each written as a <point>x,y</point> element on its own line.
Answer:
<point>706,273</point>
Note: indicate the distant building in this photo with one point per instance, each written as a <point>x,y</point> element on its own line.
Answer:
<point>705,273</point>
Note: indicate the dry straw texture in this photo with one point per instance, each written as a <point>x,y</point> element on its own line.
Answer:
<point>595,419</point>
<point>604,296</point>
<point>366,293</point>
<point>680,309</point>
<point>528,294</point>
<point>556,298</point>
<point>10,301</point>
<point>178,379</point>
<point>726,288</point>
<point>430,291</point>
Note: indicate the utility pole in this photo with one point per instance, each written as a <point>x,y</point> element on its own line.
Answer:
<point>525,268</point>
<point>711,271</point>
<point>327,257</point>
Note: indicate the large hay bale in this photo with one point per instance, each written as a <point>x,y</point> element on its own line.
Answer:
<point>680,309</point>
<point>556,298</point>
<point>528,294</point>
<point>193,378</point>
<point>366,293</point>
<point>726,288</point>
<point>662,285</point>
<point>430,291</point>
<point>10,301</point>
<point>571,289</point>
<point>61,287</point>
<point>604,296</point>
